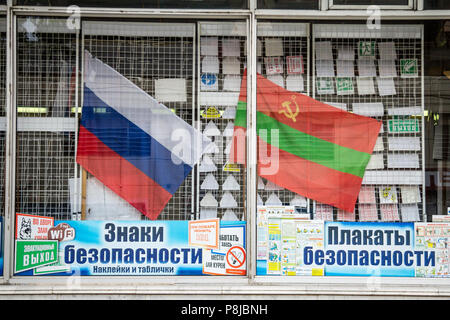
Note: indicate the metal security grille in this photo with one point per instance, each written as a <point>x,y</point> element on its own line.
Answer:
<point>221,59</point>
<point>283,58</point>
<point>145,53</point>
<point>46,75</point>
<point>378,73</point>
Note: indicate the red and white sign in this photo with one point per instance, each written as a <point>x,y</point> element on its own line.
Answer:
<point>294,64</point>
<point>204,233</point>
<point>235,259</point>
<point>274,65</point>
<point>31,227</point>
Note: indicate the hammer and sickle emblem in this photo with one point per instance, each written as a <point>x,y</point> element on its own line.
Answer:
<point>287,111</point>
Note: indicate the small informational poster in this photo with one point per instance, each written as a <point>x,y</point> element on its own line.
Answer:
<point>288,247</point>
<point>208,82</point>
<point>172,89</point>
<point>387,50</point>
<point>211,113</point>
<point>294,64</point>
<point>434,239</point>
<point>365,86</point>
<point>309,234</point>
<point>274,65</point>
<point>367,68</point>
<point>409,68</point>
<point>231,167</point>
<point>209,46</point>
<point>366,49</point>
<point>388,195</point>
<point>261,233</point>
<point>274,246</point>
<point>204,233</point>
<point>231,47</point>
<point>325,68</point>
<point>324,86</point>
<point>324,50</point>
<point>344,86</point>
<point>281,236</point>
<point>274,47</point>
<point>386,87</point>
<point>345,68</point>
<point>403,125</point>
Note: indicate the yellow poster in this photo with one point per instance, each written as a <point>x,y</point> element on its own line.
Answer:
<point>274,251</point>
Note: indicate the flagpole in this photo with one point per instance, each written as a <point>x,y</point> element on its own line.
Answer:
<point>83,193</point>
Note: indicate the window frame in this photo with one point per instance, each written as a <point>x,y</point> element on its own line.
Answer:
<point>220,285</point>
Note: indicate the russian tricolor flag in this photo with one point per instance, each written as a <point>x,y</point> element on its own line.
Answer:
<point>134,145</point>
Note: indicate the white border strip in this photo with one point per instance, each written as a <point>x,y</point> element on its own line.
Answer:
<point>51,124</point>
<point>223,29</point>
<point>44,25</point>
<point>397,177</point>
<point>273,29</point>
<point>409,6</point>
<point>123,28</point>
<point>358,31</point>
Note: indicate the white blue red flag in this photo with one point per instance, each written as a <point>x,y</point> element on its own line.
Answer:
<point>134,145</point>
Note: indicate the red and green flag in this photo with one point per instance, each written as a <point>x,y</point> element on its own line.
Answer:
<point>306,146</point>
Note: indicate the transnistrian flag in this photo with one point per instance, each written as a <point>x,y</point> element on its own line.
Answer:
<point>306,146</point>
<point>134,145</point>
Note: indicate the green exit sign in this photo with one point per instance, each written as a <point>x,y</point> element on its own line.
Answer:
<point>404,125</point>
<point>35,253</point>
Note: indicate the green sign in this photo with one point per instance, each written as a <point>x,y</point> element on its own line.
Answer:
<point>366,49</point>
<point>403,125</point>
<point>325,86</point>
<point>344,86</point>
<point>35,253</point>
<point>408,68</point>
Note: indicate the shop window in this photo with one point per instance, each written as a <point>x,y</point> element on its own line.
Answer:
<point>437,132</point>
<point>2,133</point>
<point>346,151</point>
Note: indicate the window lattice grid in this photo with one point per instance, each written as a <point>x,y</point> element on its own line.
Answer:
<point>222,61</point>
<point>45,163</point>
<point>292,46</point>
<point>407,94</point>
<point>143,60</point>
<point>46,74</point>
<point>45,153</point>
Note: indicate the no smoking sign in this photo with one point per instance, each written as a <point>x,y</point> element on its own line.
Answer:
<point>235,259</point>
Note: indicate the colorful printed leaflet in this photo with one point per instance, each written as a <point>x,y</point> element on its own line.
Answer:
<point>126,142</point>
<point>306,146</point>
